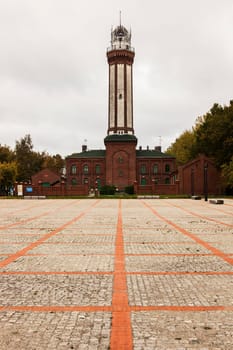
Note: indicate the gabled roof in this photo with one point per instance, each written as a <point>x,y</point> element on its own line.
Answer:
<point>95,153</point>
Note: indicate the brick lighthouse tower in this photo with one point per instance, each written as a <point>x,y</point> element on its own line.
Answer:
<point>120,142</point>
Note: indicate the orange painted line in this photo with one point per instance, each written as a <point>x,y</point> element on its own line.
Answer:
<point>200,216</point>
<point>45,237</point>
<point>26,308</point>
<point>121,332</point>
<point>206,245</point>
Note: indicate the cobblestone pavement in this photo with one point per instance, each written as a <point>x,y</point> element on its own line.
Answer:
<point>116,274</point>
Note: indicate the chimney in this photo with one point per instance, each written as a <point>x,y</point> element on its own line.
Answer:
<point>84,148</point>
<point>158,148</point>
<point>147,147</point>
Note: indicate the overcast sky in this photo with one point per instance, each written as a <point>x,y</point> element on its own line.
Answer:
<point>54,72</point>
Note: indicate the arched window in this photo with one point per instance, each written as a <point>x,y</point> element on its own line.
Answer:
<point>143,169</point>
<point>73,169</point>
<point>155,169</point>
<point>85,169</point>
<point>167,168</point>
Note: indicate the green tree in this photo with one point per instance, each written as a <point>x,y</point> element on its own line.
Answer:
<point>227,173</point>
<point>214,134</point>
<point>28,161</point>
<point>8,173</point>
<point>6,154</point>
<point>183,147</point>
<point>55,163</point>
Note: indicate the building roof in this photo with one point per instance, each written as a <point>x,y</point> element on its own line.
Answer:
<point>140,153</point>
<point>95,153</point>
<point>151,153</point>
<point>120,138</point>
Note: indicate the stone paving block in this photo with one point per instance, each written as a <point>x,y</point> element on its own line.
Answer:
<point>18,238</point>
<point>174,263</point>
<point>12,248</point>
<point>166,248</point>
<point>59,263</point>
<point>55,330</point>
<point>182,330</point>
<point>84,238</point>
<point>75,248</point>
<point>56,290</point>
<point>199,290</point>
<point>153,237</point>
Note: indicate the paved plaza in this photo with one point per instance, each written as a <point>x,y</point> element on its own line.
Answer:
<point>116,274</point>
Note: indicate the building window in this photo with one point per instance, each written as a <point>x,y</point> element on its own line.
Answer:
<point>73,169</point>
<point>143,181</point>
<point>120,160</point>
<point>143,169</point>
<point>97,169</point>
<point>167,168</point>
<point>155,169</point>
<point>120,173</point>
<point>74,182</point>
<point>167,181</point>
<point>85,169</point>
<point>85,180</point>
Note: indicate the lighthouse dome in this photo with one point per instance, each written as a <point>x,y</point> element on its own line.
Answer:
<point>120,38</point>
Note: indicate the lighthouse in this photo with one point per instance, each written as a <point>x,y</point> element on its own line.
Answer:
<point>120,164</point>
<point>120,57</point>
<point>120,141</point>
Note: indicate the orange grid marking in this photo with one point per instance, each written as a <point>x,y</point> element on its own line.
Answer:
<point>201,216</point>
<point>121,334</point>
<point>45,237</point>
<point>206,245</point>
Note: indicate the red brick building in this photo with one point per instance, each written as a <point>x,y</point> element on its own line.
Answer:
<point>199,176</point>
<point>121,164</point>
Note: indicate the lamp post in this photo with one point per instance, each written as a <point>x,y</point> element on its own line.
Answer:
<point>206,181</point>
